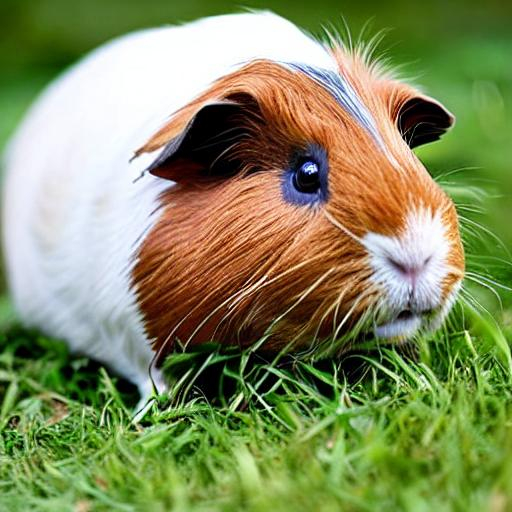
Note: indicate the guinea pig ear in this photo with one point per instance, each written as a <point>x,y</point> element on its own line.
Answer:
<point>421,120</point>
<point>205,146</point>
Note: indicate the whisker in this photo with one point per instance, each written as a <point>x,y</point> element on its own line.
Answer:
<point>488,232</point>
<point>226,302</point>
<point>251,291</point>
<point>488,287</point>
<point>294,305</point>
<point>472,302</point>
<point>457,170</point>
<point>488,280</point>
<point>350,312</point>
<point>241,291</point>
<point>343,228</point>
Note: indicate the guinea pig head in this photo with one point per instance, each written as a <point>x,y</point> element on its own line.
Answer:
<point>298,212</point>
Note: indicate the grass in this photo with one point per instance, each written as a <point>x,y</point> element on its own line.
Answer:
<point>390,429</point>
<point>382,431</point>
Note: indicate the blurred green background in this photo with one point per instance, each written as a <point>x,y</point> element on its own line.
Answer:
<point>461,52</point>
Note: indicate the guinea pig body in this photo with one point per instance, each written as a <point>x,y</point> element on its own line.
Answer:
<point>225,179</point>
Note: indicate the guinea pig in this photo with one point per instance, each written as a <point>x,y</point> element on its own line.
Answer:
<point>232,179</point>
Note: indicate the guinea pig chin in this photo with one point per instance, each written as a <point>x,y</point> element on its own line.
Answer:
<point>418,272</point>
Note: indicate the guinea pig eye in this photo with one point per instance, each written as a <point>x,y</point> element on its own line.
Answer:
<point>306,178</point>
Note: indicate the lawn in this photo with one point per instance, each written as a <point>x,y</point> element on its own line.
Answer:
<point>423,427</point>
<point>386,431</point>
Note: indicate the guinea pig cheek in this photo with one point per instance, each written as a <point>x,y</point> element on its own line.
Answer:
<point>416,272</point>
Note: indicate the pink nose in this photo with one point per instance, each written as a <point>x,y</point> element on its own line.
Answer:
<point>410,271</point>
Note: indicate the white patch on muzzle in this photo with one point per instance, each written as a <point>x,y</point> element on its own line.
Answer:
<point>410,269</point>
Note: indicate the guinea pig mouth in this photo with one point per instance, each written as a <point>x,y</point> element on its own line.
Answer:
<point>404,325</point>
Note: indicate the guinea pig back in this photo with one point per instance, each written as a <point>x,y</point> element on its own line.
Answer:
<point>166,191</point>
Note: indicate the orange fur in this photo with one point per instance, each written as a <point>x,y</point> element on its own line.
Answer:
<point>228,257</point>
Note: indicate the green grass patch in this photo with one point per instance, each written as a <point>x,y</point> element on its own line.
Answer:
<point>393,429</point>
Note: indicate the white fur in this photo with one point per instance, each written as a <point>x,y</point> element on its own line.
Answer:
<point>73,215</point>
<point>399,328</point>
<point>422,245</point>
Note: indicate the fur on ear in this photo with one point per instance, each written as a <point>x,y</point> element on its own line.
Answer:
<point>206,146</point>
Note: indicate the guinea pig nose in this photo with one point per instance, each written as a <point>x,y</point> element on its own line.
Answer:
<point>410,271</point>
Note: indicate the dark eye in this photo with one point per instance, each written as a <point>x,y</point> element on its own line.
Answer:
<point>305,180</point>
<point>307,177</point>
